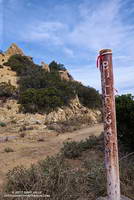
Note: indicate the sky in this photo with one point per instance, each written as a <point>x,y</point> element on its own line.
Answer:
<point>72,32</point>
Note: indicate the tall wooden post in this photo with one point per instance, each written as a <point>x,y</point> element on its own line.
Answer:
<point>110,132</point>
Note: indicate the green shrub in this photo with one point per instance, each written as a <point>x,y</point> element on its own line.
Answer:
<point>127,176</point>
<point>8,149</point>
<point>96,177</point>
<point>74,149</point>
<point>21,179</point>
<point>88,143</point>
<point>41,91</point>
<point>52,176</point>
<point>21,64</point>
<point>55,177</point>
<point>125,121</point>
<point>71,149</point>
<point>54,66</point>
<point>42,100</point>
<point>88,96</point>
<point>7,90</point>
<point>2,124</point>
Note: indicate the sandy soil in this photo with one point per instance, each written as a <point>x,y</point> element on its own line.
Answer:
<point>29,150</point>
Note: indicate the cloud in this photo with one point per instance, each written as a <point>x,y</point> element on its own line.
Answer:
<point>44,31</point>
<point>74,32</point>
<point>1,23</point>
<point>89,75</point>
<point>124,78</point>
<point>101,27</point>
<point>69,52</point>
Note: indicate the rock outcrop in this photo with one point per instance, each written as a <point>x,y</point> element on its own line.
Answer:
<point>12,50</point>
<point>64,74</point>
<point>45,66</point>
<point>9,112</point>
<point>8,76</point>
<point>74,110</point>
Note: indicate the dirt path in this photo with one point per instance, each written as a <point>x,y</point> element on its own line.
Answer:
<point>83,133</point>
<point>29,150</point>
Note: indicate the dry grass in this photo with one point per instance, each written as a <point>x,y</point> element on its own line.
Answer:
<point>68,179</point>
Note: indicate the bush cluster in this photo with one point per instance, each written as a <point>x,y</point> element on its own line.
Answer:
<point>74,149</point>
<point>22,65</point>
<point>42,91</point>
<point>42,100</point>
<point>54,66</point>
<point>88,96</point>
<point>2,124</point>
<point>55,176</point>
<point>125,121</point>
<point>51,176</point>
<point>7,90</point>
<point>8,149</point>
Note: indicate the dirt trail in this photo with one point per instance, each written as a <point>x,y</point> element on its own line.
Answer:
<point>28,150</point>
<point>83,133</point>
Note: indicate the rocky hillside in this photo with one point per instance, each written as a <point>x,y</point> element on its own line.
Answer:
<point>51,97</point>
<point>8,76</point>
<point>12,50</point>
<point>6,73</point>
<point>9,114</point>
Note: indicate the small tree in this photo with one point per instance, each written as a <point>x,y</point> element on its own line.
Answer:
<point>54,66</point>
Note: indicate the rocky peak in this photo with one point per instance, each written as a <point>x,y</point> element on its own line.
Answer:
<point>14,49</point>
<point>45,66</point>
<point>64,74</point>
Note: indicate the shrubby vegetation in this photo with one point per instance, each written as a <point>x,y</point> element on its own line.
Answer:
<point>2,124</point>
<point>88,96</point>
<point>8,149</point>
<point>7,90</point>
<point>125,120</point>
<point>74,149</point>
<point>42,91</point>
<point>42,100</point>
<point>22,65</point>
<point>54,66</point>
<point>58,177</point>
<point>72,124</point>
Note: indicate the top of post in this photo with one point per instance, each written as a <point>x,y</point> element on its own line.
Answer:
<point>105,51</point>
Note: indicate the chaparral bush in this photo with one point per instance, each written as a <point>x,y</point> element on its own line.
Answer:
<point>125,120</point>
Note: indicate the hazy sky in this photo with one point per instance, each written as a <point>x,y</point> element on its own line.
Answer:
<point>72,32</point>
